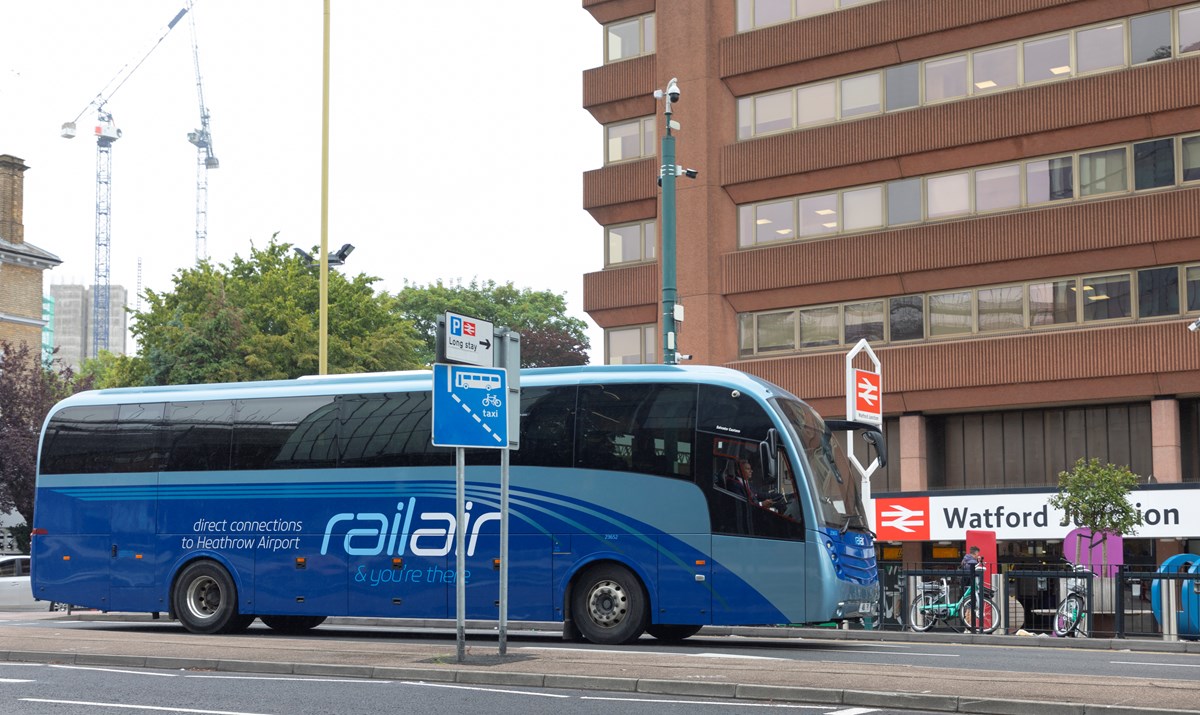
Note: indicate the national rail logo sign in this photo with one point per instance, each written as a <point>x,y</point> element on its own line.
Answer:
<point>868,397</point>
<point>902,518</point>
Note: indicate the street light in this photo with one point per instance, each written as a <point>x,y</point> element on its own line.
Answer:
<point>666,179</point>
<point>337,258</point>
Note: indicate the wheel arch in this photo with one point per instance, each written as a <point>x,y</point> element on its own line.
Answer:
<point>178,567</point>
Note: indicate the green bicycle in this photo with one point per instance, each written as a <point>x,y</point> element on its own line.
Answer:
<point>934,604</point>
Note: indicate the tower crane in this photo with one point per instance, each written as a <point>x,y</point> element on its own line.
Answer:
<point>205,159</point>
<point>106,132</point>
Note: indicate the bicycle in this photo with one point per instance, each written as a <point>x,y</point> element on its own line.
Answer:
<point>1071,616</point>
<point>934,605</point>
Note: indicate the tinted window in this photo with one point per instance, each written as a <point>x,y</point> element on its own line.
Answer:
<point>1158,292</point>
<point>80,439</point>
<point>390,430</point>
<point>285,433</point>
<point>721,412</point>
<point>139,446</point>
<point>644,428</point>
<point>547,427</point>
<point>200,435</point>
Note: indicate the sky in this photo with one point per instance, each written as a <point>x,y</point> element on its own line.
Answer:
<point>428,101</point>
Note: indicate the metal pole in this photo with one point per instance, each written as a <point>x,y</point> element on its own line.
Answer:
<point>504,460</point>
<point>323,320</point>
<point>667,173</point>
<point>460,585</point>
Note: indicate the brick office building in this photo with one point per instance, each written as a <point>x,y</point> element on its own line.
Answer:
<point>21,263</point>
<point>1002,197</point>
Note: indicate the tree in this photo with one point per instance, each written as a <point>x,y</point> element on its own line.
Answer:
<point>28,389</point>
<point>548,335</point>
<point>257,319</point>
<point>1094,496</point>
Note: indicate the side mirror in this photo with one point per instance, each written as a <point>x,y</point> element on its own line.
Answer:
<point>767,449</point>
<point>872,434</point>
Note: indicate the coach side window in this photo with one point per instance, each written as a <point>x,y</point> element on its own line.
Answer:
<point>547,427</point>
<point>80,440</point>
<point>285,433</point>
<point>139,446</point>
<point>646,428</point>
<point>200,435</point>
<point>389,430</point>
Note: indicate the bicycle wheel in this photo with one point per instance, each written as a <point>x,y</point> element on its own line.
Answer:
<point>1069,613</point>
<point>991,616</point>
<point>923,613</point>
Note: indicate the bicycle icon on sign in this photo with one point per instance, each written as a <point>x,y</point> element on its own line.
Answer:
<point>491,401</point>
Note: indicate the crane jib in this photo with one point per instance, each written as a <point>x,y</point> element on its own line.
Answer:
<point>178,17</point>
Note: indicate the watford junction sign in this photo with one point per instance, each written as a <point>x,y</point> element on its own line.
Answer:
<point>1166,512</point>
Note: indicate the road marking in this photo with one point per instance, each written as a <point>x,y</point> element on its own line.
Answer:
<point>1167,665</point>
<point>485,690</point>
<point>295,680</point>
<point>130,706</point>
<point>854,711</point>
<point>16,680</point>
<point>115,670</point>
<point>718,703</point>
<point>656,653</point>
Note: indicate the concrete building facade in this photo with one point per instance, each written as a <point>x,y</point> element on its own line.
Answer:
<point>73,310</point>
<point>21,263</point>
<point>1002,198</point>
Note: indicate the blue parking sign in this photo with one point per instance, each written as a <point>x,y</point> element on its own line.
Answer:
<point>469,406</point>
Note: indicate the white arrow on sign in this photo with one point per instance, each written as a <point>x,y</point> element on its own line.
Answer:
<point>903,518</point>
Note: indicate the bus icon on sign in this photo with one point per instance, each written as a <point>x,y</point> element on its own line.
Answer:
<point>476,381</point>
<point>458,326</point>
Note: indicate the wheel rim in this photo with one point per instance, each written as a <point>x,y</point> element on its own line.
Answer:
<point>203,598</point>
<point>608,604</point>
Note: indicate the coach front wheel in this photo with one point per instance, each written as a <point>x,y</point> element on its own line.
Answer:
<point>609,605</point>
<point>205,600</point>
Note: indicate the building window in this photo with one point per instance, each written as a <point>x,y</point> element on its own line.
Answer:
<point>630,243</point>
<point>629,38</point>
<point>629,140</point>
<point>862,208</point>
<point>1189,30</point>
<point>1053,302</point>
<point>904,202</point>
<point>1147,293</point>
<point>1150,38</point>
<point>861,95</point>
<point>902,86</point>
<point>1100,48</point>
<point>753,14</point>
<point>630,346</point>
<point>818,214</point>
<point>1047,59</point>
<point>946,78</point>
<point>1153,164</point>
<point>998,188</point>
<point>996,69</point>
<point>1106,297</point>
<point>1102,172</point>
<point>1158,292</point>
<point>1049,180</point>
<point>816,104</point>
<point>947,195</point>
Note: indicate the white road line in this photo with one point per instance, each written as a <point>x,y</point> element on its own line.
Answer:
<point>16,680</point>
<point>115,670</point>
<point>286,679</point>
<point>854,711</point>
<point>485,690</point>
<point>1166,665</point>
<point>725,704</point>
<point>130,706</point>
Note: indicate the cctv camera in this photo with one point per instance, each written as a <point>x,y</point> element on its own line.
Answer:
<point>673,90</point>
<point>1195,326</point>
<point>691,173</point>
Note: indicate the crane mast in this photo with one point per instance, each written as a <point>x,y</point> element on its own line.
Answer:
<point>106,132</point>
<point>205,159</point>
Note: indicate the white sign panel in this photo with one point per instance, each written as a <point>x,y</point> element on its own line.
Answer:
<point>468,340</point>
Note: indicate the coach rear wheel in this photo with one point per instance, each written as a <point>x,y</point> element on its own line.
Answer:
<point>205,600</point>
<point>609,605</point>
<point>292,624</point>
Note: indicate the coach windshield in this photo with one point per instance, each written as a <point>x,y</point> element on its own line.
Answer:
<point>836,489</point>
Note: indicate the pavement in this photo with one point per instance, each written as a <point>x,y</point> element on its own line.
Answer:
<point>637,669</point>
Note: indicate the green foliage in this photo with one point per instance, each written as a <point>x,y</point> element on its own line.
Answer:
<point>28,389</point>
<point>257,319</point>
<point>109,370</point>
<point>1095,496</point>
<point>549,337</point>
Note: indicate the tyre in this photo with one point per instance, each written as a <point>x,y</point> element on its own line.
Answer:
<point>922,614</point>
<point>665,632</point>
<point>609,605</point>
<point>292,625</point>
<point>205,600</point>
<point>1068,616</point>
<point>991,617</point>
<point>56,607</point>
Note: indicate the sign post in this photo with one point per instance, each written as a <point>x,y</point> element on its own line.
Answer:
<point>864,403</point>
<point>474,405</point>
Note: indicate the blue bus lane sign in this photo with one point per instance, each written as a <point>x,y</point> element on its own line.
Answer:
<point>469,407</point>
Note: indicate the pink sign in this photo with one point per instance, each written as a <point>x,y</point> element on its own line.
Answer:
<point>1106,551</point>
